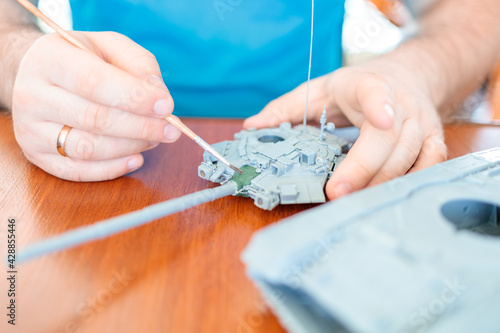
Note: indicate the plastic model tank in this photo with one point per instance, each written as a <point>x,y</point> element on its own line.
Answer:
<point>283,165</point>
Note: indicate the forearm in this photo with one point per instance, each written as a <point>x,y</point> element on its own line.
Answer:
<point>17,34</point>
<point>457,47</point>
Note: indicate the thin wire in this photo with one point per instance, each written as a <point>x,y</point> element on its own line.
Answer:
<point>309,73</point>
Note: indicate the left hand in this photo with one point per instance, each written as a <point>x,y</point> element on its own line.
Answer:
<point>400,128</point>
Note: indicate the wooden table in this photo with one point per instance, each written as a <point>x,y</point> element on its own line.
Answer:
<point>179,274</point>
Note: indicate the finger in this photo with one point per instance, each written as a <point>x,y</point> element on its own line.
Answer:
<point>122,52</point>
<point>75,111</point>
<point>103,83</point>
<point>81,145</point>
<point>86,146</point>
<point>291,106</point>
<point>364,160</point>
<point>404,156</point>
<point>87,171</point>
<point>433,151</point>
<point>375,99</point>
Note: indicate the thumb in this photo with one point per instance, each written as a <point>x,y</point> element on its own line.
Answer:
<point>375,99</point>
<point>120,51</point>
<point>291,106</point>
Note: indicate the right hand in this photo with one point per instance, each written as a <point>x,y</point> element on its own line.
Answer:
<point>400,128</point>
<point>115,100</point>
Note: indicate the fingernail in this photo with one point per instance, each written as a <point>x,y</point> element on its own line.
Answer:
<point>171,133</point>
<point>342,189</point>
<point>163,107</point>
<point>133,164</point>
<point>389,110</point>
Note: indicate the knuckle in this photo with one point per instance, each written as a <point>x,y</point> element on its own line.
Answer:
<point>408,156</point>
<point>114,34</point>
<point>72,175</point>
<point>140,55</point>
<point>384,176</point>
<point>339,74</point>
<point>82,148</point>
<point>96,118</point>
<point>146,128</point>
<point>411,146</point>
<point>436,148</point>
<point>145,56</point>
<point>80,173</point>
<point>85,149</point>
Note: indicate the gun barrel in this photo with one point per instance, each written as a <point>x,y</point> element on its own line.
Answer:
<point>124,222</point>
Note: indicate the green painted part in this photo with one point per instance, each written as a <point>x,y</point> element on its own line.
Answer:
<point>243,180</point>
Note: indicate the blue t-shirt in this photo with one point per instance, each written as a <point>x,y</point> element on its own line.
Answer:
<point>224,58</point>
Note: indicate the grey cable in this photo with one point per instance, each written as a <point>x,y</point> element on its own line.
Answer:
<point>124,222</point>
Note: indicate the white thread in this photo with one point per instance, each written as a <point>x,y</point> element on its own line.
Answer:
<point>309,73</point>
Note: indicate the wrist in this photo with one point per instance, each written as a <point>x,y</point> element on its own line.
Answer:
<point>417,64</point>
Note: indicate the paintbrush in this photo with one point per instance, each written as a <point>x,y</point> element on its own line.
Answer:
<point>171,118</point>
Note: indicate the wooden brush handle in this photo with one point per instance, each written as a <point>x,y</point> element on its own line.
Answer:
<point>63,33</point>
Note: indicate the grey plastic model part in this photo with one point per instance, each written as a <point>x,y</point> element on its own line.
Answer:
<point>292,166</point>
<point>416,254</point>
<point>322,121</point>
<point>124,222</point>
<point>330,127</point>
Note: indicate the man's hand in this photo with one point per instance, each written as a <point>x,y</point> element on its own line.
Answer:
<point>115,100</point>
<point>394,99</point>
<point>400,126</point>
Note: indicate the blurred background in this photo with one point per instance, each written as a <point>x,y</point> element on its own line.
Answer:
<point>371,28</point>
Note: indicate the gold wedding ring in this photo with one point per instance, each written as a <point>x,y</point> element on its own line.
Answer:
<point>61,140</point>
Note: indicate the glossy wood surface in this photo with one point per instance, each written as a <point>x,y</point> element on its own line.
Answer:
<point>179,274</point>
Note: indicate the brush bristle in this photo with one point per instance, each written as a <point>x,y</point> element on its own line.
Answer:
<point>236,169</point>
